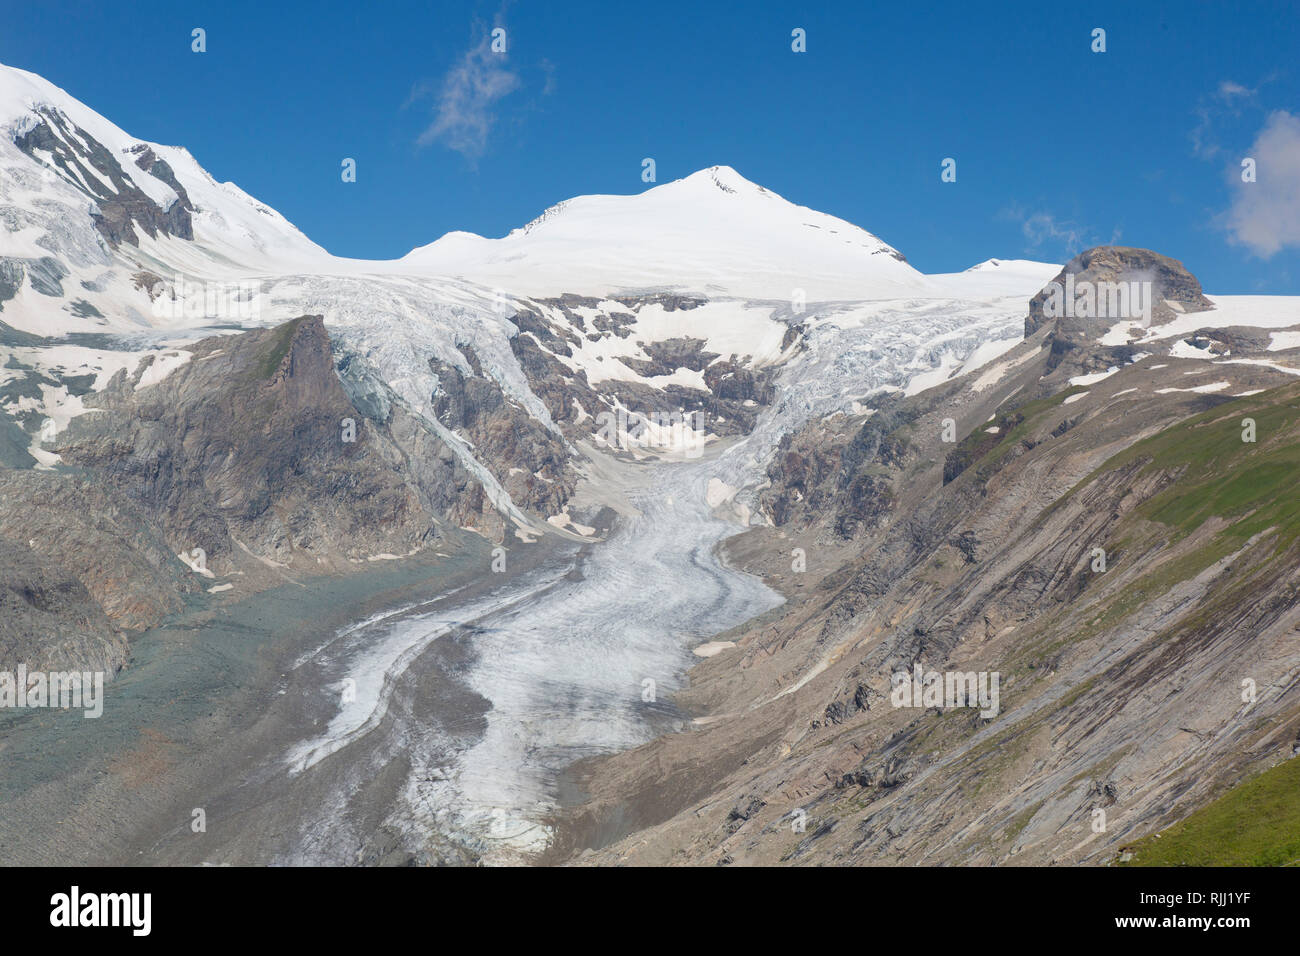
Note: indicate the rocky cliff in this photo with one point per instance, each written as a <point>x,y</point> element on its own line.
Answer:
<point>247,447</point>
<point>242,463</point>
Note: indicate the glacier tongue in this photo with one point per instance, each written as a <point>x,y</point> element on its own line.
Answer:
<point>565,660</point>
<point>574,666</point>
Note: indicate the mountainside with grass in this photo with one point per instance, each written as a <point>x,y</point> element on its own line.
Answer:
<point>1120,547</point>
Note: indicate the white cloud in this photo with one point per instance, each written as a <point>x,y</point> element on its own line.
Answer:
<point>1224,103</point>
<point>1045,229</point>
<point>1265,214</point>
<point>1229,89</point>
<point>467,102</point>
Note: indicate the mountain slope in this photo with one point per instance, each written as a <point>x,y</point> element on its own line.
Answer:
<point>117,251</point>
<point>713,233</point>
<point>1123,684</point>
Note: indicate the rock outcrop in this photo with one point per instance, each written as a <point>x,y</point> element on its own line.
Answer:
<point>1102,288</point>
<point>242,460</point>
<point>121,206</point>
<point>1174,290</point>
<point>1115,553</point>
<point>247,445</point>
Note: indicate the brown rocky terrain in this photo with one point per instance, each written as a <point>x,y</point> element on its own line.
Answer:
<point>531,462</point>
<point>1173,291</point>
<point>250,452</point>
<point>1114,551</point>
<point>246,448</point>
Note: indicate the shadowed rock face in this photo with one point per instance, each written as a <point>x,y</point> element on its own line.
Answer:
<point>246,443</point>
<point>530,462</point>
<point>50,618</point>
<point>124,206</point>
<point>252,450</point>
<point>1174,288</point>
<point>46,275</point>
<point>80,563</point>
<point>98,536</point>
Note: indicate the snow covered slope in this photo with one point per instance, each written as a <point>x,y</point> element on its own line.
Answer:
<point>709,294</point>
<point>228,223</point>
<point>997,277</point>
<point>712,233</point>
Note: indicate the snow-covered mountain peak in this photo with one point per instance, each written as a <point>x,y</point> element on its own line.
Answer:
<point>725,179</point>
<point>713,233</point>
<point>143,193</point>
<point>1010,266</point>
<point>22,92</point>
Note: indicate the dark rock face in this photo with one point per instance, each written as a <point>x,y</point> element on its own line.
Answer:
<point>730,382</point>
<point>247,444</point>
<point>78,529</point>
<point>742,813</point>
<point>822,473</point>
<point>123,207</point>
<point>529,461</point>
<point>26,383</point>
<point>1234,339</point>
<point>728,405</point>
<point>869,499</point>
<point>809,482</point>
<point>461,402</point>
<point>13,445</point>
<point>151,164</point>
<point>547,378</point>
<point>11,279</point>
<point>671,354</point>
<point>46,275</point>
<point>1170,280</point>
<point>446,488</point>
<point>51,621</point>
<point>800,473</point>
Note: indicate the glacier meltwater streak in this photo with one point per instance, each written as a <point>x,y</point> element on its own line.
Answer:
<point>564,661</point>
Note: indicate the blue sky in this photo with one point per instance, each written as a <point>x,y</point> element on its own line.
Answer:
<point>1057,148</point>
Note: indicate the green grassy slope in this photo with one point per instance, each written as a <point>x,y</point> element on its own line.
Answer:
<point>1256,823</point>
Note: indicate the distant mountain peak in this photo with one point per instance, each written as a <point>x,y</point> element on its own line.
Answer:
<point>712,232</point>
<point>724,178</point>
